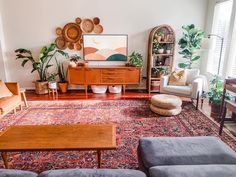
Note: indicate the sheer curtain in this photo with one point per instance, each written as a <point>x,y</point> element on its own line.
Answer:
<point>221,26</point>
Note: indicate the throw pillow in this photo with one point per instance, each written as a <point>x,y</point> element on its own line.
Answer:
<point>4,91</point>
<point>178,78</point>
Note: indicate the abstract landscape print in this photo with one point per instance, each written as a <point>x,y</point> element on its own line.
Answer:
<point>105,47</point>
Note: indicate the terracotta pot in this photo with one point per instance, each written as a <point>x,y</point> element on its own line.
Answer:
<point>215,111</point>
<point>41,87</point>
<point>159,75</point>
<point>63,86</point>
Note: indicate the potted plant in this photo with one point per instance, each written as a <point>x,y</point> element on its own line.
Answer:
<point>160,36</point>
<point>159,71</point>
<point>41,64</point>
<point>52,83</point>
<point>189,44</point>
<point>62,84</point>
<point>215,96</point>
<point>158,48</point>
<point>74,60</point>
<point>135,59</point>
<point>168,49</point>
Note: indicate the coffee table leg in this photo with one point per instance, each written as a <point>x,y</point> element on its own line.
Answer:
<point>4,158</point>
<point>99,158</point>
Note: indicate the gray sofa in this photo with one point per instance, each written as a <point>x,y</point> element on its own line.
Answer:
<point>186,157</point>
<point>74,173</point>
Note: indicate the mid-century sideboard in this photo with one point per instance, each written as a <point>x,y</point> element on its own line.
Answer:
<point>104,75</point>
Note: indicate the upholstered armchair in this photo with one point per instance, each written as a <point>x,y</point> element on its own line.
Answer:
<point>193,89</point>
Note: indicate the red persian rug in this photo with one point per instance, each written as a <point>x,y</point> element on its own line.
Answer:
<point>133,118</point>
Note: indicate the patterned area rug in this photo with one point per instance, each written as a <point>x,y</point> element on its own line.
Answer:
<point>133,118</point>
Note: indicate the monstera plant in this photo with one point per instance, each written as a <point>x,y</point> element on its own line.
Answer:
<point>41,64</point>
<point>189,45</point>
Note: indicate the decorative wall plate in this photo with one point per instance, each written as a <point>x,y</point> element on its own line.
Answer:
<point>77,46</point>
<point>72,32</point>
<point>87,25</point>
<point>71,45</point>
<point>78,20</point>
<point>96,21</point>
<point>59,31</point>
<point>98,29</point>
<point>61,43</point>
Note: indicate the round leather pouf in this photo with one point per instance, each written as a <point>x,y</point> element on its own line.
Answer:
<point>166,112</point>
<point>166,101</point>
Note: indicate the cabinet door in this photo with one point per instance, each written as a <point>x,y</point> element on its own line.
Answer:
<point>93,75</point>
<point>76,76</point>
<point>132,76</point>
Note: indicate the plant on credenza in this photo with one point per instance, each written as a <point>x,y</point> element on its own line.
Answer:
<point>135,59</point>
<point>215,96</point>
<point>189,44</point>
<point>40,64</point>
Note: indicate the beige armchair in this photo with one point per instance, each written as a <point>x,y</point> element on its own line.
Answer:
<point>193,88</point>
<point>10,103</point>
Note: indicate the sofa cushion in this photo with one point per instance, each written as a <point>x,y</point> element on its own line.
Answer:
<point>93,173</point>
<point>9,103</point>
<point>178,78</point>
<point>4,91</point>
<point>156,151</point>
<point>16,173</point>
<point>180,90</point>
<point>193,171</point>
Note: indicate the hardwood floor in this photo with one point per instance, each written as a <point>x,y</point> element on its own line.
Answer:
<point>130,94</point>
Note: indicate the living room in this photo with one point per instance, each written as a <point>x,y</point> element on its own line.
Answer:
<point>118,88</point>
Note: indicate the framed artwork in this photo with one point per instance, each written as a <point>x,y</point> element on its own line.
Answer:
<point>105,47</point>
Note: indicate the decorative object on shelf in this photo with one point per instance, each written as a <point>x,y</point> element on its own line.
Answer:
<point>75,60</point>
<point>70,36</point>
<point>116,50</point>
<point>52,83</point>
<point>40,64</point>
<point>135,59</point>
<point>215,96</point>
<point>161,49</point>
<point>159,71</point>
<point>189,44</point>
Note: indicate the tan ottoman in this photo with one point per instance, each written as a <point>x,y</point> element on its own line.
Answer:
<point>167,105</point>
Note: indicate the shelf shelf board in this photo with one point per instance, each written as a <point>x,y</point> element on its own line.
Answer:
<point>162,66</point>
<point>156,79</point>
<point>162,42</point>
<point>154,90</point>
<point>163,54</point>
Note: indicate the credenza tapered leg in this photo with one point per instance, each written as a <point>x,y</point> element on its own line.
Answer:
<point>4,158</point>
<point>124,87</point>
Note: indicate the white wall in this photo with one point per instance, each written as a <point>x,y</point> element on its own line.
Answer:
<point>31,23</point>
<point>2,66</point>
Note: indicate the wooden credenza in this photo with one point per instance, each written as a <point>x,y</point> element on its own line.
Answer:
<point>104,75</point>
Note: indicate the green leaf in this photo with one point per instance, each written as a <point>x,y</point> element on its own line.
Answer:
<point>48,66</point>
<point>33,70</point>
<point>21,50</point>
<point>183,65</point>
<point>196,58</point>
<point>51,47</point>
<point>24,62</point>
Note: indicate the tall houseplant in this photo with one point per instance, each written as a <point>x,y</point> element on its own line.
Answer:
<point>189,44</point>
<point>41,64</point>
<point>62,84</point>
<point>215,96</point>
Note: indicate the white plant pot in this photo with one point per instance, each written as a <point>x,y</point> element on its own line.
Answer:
<point>99,88</point>
<point>52,85</point>
<point>168,51</point>
<point>115,89</point>
<point>160,51</point>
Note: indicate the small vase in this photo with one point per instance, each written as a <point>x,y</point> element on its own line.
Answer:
<point>160,51</point>
<point>168,51</point>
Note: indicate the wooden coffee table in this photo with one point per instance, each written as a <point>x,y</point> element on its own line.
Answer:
<point>58,138</point>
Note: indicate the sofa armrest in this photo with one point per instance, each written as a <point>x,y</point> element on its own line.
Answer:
<point>164,82</point>
<point>13,87</point>
<point>197,87</point>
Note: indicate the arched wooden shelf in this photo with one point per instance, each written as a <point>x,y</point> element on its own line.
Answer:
<point>160,37</point>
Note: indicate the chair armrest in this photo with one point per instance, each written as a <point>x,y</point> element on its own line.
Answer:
<point>13,87</point>
<point>197,87</point>
<point>164,82</point>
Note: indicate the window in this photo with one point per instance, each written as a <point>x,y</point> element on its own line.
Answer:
<point>221,25</point>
